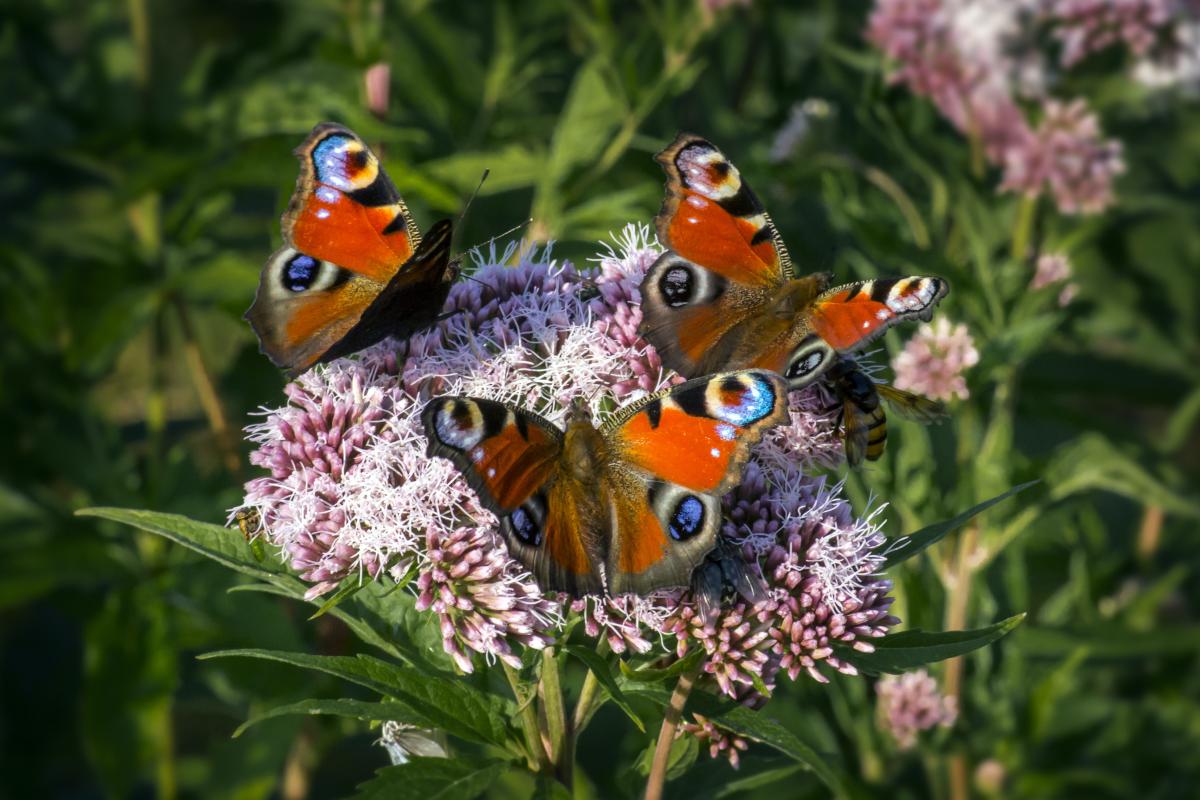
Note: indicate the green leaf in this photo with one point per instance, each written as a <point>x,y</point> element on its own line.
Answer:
<point>347,588</point>
<point>432,779</point>
<point>680,759</point>
<point>441,703</point>
<point>354,709</point>
<point>1111,641</point>
<point>1093,462</point>
<point>384,610</point>
<point>363,630</point>
<point>603,673</point>
<point>908,649</point>
<point>764,778</point>
<point>914,543</point>
<point>225,546</point>
<point>649,675</point>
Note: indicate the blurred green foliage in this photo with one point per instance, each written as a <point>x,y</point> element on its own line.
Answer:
<point>144,159</point>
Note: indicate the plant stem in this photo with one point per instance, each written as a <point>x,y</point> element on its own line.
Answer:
<point>559,737</point>
<point>529,723</point>
<point>1023,226</point>
<point>666,736</point>
<point>959,595</point>
<point>206,390</point>
<point>587,704</point>
<point>1149,533</point>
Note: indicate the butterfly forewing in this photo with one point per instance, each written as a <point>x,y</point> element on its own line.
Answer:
<point>351,250</point>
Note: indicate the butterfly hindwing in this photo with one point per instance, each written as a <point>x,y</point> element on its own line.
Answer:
<point>351,250</point>
<point>512,459</point>
<point>675,454</point>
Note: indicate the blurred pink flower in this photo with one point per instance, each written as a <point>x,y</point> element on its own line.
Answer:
<point>376,82</point>
<point>971,58</point>
<point>910,703</point>
<point>1083,27</point>
<point>1067,155</point>
<point>934,361</point>
<point>1054,268</point>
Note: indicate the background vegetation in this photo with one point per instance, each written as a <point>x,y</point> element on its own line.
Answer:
<point>145,158</point>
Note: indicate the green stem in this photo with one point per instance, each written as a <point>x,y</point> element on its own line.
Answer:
<point>529,723</point>
<point>1023,226</point>
<point>558,734</point>
<point>590,698</point>
<point>666,735</point>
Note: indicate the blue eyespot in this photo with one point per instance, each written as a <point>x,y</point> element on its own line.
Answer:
<point>300,273</point>
<point>525,528</point>
<point>687,519</point>
<point>329,161</point>
<point>756,399</point>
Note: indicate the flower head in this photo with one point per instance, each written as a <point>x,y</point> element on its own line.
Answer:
<point>934,361</point>
<point>351,493</point>
<point>1054,268</point>
<point>910,703</point>
<point>973,58</point>
<point>1066,155</point>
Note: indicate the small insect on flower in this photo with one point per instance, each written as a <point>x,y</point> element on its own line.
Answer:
<point>249,522</point>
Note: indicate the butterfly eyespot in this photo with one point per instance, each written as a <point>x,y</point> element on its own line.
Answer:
<point>300,273</point>
<point>525,527</point>
<point>677,285</point>
<point>687,518</point>
<point>805,365</point>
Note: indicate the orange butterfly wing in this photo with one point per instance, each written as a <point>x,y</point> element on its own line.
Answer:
<point>710,293</point>
<point>674,455</point>
<point>348,237</point>
<point>512,459</point>
<point>345,209</point>
<point>711,216</point>
<point>850,316</point>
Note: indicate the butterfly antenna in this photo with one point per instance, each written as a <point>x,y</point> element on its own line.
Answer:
<point>471,199</point>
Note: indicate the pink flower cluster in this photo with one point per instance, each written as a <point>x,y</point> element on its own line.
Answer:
<point>1051,269</point>
<point>935,360</point>
<point>350,492</point>
<point>1084,27</point>
<point>972,59</point>
<point>910,703</point>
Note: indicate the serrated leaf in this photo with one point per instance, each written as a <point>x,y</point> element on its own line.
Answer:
<point>431,779</point>
<point>650,675</point>
<point>445,704</point>
<point>353,709</point>
<point>908,649</point>
<point>603,673</point>
<point>932,534</point>
<point>222,545</point>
